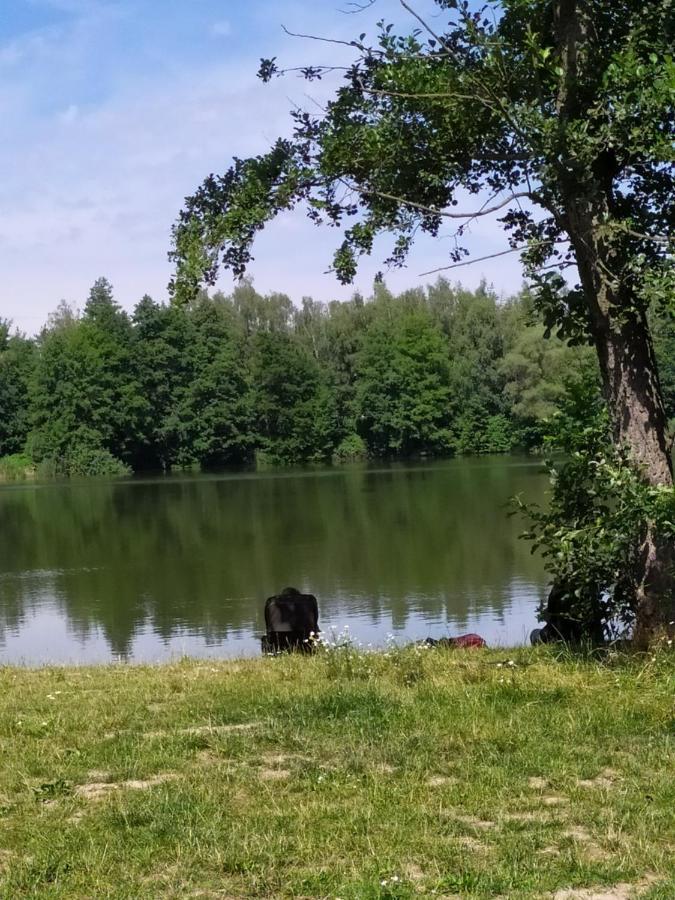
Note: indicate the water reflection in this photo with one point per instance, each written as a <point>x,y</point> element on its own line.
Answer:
<point>146,569</point>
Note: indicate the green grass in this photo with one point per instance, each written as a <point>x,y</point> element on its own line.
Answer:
<point>417,773</point>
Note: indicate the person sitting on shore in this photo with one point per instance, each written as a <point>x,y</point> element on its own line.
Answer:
<point>563,622</point>
<point>291,622</point>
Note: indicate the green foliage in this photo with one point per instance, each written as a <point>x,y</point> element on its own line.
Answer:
<point>664,344</point>
<point>601,513</point>
<point>229,380</point>
<point>209,420</point>
<point>160,353</point>
<point>17,358</point>
<point>534,372</point>
<point>352,448</point>
<point>403,394</point>
<point>84,395</point>
<point>294,406</point>
<point>16,467</point>
<point>83,460</point>
<point>476,432</point>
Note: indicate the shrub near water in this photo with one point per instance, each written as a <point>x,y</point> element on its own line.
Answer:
<point>408,773</point>
<point>601,511</point>
<point>17,467</point>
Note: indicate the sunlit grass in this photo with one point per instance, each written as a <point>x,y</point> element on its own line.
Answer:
<point>411,773</point>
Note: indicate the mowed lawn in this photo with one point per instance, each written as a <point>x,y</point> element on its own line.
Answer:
<point>415,773</point>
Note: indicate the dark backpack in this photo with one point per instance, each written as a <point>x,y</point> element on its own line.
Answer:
<point>291,618</point>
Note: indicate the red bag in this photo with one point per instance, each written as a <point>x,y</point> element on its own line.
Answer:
<point>468,640</point>
<point>464,640</point>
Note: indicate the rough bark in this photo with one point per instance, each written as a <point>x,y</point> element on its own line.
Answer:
<point>655,596</point>
<point>633,393</point>
<point>622,338</point>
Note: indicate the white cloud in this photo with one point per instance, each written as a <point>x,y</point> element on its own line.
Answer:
<point>221,29</point>
<point>69,114</point>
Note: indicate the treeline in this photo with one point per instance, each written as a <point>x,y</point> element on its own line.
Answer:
<point>230,380</point>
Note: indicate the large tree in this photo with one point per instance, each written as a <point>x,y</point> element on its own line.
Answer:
<point>557,116</point>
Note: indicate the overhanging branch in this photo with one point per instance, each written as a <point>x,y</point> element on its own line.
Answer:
<point>484,211</point>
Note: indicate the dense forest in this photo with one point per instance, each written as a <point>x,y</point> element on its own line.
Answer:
<point>242,379</point>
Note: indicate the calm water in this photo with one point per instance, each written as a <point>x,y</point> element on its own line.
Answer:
<point>148,569</point>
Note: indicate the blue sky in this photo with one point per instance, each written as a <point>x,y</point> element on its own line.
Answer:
<point>111,111</point>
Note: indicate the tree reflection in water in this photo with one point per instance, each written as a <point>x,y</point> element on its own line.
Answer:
<point>403,548</point>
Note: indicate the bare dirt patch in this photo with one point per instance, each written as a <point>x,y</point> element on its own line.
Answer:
<point>623,891</point>
<point>582,837</point>
<point>602,781</point>
<point>208,758</point>
<point>191,730</point>
<point>99,775</point>
<point>97,790</point>
<point>280,759</point>
<point>274,774</point>
<point>440,780</point>
<point>215,895</point>
<point>554,800</point>
<point>475,822</point>
<point>204,729</point>
<point>537,783</point>
<point>413,872</point>
<point>528,816</point>
<point>472,844</point>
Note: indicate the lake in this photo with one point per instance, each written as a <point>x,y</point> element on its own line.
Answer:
<point>147,569</point>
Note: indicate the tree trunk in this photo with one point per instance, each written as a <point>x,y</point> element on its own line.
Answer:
<point>632,390</point>
<point>633,393</point>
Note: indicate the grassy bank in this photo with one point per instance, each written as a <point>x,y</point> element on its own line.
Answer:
<point>417,773</point>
